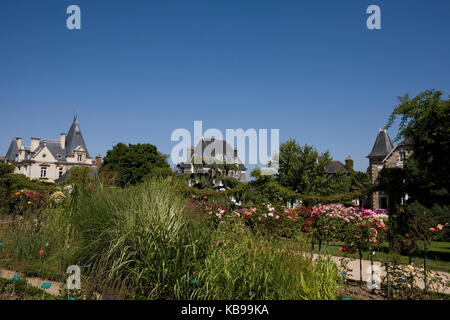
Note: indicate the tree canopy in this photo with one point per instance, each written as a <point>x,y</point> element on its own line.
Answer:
<point>425,119</point>
<point>132,163</point>
<point>303,169</point>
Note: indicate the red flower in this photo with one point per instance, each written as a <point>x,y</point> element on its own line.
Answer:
<point>205,197</point>
<point>407,235</point>
<point>41,252</point>
<point>346,249</point>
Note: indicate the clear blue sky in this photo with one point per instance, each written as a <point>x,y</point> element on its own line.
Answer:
<point>140,69</point>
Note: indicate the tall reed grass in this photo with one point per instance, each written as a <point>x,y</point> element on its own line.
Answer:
<point>244,266</point>
<point>145,242</point>
<point>137,241</point>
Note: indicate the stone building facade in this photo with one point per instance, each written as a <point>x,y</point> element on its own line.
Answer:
<point>385,155</point>
<point>49,160</point>
<point>397,157</point>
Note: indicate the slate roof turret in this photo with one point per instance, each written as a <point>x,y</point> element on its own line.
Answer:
<point>75,139</point>
<point>382,146</point>
<point>13,151</point>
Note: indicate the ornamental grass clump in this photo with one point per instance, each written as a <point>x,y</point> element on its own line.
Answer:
<point>36,242</point>
<point>148,242</point>
<point>145,242</point>
<point>244,266</point>
<point>137,242</point>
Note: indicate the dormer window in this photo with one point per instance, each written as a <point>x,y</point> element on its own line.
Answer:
<point>59,156</point>
<point>402,156</point>
<point>80,157</point>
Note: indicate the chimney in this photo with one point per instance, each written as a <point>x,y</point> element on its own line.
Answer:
<point>349,164</point>
<point>21,155</point>
<point>19,143</point>
<point>62,140</point>
<point>34,144</point>
<point>98,161</point>
<point>189,154</point>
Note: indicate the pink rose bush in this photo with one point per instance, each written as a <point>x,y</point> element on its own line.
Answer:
<point>425,228</point>
<point>323,223</point>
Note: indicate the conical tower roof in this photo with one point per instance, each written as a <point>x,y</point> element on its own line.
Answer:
<point>13,151</point>
<point>382,146</point>
<point>75,139</point>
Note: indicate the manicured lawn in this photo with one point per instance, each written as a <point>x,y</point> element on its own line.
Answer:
<point>438,255</point>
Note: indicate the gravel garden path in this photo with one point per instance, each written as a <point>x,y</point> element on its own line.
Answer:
<point>34,282</point>
<point>354,274</point>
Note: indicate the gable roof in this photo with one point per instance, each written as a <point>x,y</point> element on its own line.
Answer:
<point>75,139</point>
<point>55,149</point>
<point>404,143</point>
<point>382,145</point>
<point>336,166</point>
<point>217,147</point>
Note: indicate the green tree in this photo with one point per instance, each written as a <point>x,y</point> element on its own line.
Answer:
<point>132,163</point>
<point>340,183</point>
<point>263,188</point>
<point>393,182</point>
<point>425,119</point>
<point>5,186</point>
<point>5,169</point>
<point>303,169</point>
<point>359,180</point>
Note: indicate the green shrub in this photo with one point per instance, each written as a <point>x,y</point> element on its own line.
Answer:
<point>10,183</point>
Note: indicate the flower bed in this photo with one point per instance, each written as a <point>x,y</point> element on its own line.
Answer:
<point>323,223</point>
<point>26,202</point>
